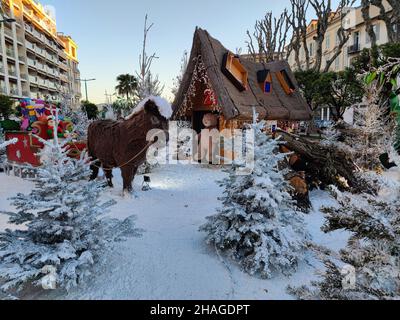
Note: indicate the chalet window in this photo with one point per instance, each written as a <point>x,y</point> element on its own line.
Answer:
<point>233,69</point>
<point>264,79</point>
<point>285,81</point>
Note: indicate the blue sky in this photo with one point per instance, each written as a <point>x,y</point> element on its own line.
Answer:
<point>109,33</point>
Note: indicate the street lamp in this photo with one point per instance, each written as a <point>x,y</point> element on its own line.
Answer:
<point>86,90</point>
<point>10,20</point>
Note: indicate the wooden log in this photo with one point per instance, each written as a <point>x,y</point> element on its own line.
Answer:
<point>326,165</point>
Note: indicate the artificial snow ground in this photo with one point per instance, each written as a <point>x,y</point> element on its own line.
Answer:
<point>171,260</point>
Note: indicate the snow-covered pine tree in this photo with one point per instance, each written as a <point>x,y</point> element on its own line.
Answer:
<point>78,117</point>
<point>4,144</point>
<point>177,81</point>
<point>149,85</point>
<point>373,128</point>
<point>81,123</point>
<point>372,252</point>
<point>258,225</point>
<point>63,225</point>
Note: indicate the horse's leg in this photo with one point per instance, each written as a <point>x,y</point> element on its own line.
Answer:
<point>128,174</point>
<point>109,176</point>
<point>95,167</point>
<point>127,177</point>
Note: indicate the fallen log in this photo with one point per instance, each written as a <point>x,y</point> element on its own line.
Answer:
<point>325,165</point>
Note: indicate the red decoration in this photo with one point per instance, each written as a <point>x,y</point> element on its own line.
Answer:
<point>24,151</point>
<point>210,98</point>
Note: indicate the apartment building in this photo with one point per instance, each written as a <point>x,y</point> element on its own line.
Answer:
<point>35,60</point>
<point>359,38</point>
<point>73,77</point>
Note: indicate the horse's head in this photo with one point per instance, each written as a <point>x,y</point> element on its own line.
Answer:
<point>155,118</point>
<point>155,112</point>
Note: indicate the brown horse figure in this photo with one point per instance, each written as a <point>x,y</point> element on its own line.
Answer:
<point>122,144</point>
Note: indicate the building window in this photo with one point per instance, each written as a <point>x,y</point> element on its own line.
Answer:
<point>356,39</point>
<point>73,51</point>
<point>311,49</point>
<point>377,31</point>
<point>337,63</point>
<point>325,114</point>
<point>328,42</point>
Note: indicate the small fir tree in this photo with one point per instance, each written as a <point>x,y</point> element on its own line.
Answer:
<point>64,228</point>
<point>258,224</point>
<point>372,253</point>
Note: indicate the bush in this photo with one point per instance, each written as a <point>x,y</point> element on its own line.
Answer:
<point>6,106</point>
<point>90,109</point>
<point>9,125</point>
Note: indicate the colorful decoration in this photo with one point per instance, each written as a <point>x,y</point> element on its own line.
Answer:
<point>38,118</point>
<point>199,77</point>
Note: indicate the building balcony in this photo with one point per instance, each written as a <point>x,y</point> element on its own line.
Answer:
<point>353,49</point>
<point>42,82</point>
<point>29,28</point>
<point>52,72</point>
<point>64,78</point>
<point>33,80</point>
<point>10,53</point>
<point>8,32</point>
<point>54,60</point>
<point>31,63</point>
<point>29,46</point>
<point>39,36</point>
<point>14,91</point>
<point>27,11</point>
<point>51,45</point>
<point>63,66</point>
<point>40,65</point>
<point>52,86</point>
<point>62,54</point>
<point>40,52</point>
<point>12,73</point>
<point>3,90</point>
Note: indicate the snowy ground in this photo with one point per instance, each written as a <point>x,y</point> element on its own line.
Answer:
<point>171,260</point>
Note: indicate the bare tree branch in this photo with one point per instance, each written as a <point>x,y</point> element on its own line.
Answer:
<point>298,23</point>
<point>365,10</point>
<point>270,37</point>
<point>323,10</point>
<point>342,34</point>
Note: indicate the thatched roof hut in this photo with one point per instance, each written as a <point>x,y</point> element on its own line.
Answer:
<point>238,85</point>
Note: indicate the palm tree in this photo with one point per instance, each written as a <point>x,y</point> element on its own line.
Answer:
<point>127,85</point>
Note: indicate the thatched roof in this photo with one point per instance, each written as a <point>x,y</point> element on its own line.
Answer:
<point>276,105</point>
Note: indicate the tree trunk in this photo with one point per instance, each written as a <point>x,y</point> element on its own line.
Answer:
<point>326,165</point>
<point>365,8</point>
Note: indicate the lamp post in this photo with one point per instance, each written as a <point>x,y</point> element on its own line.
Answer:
<point>86,90</point>
<point>10,20</point>
<point>2,20</point>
